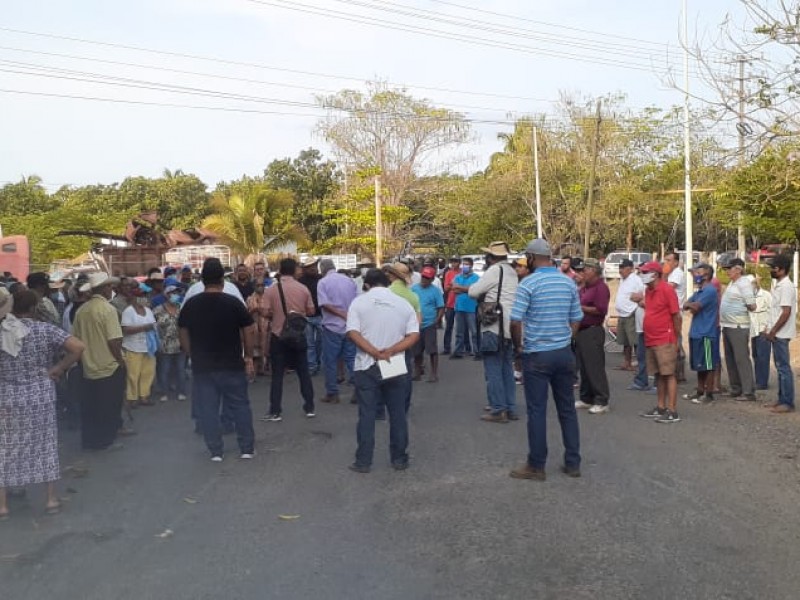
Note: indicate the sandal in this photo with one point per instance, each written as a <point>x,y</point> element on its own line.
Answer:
<point>53,510</point>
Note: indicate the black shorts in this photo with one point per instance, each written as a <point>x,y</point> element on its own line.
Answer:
<point>428,343</point>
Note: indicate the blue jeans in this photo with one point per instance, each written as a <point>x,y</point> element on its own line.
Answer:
<point>230,389</point>
<point>336,346</point>
<point>498,369</point>
<point>372,390</point>
<point>760,348</point>
<point>314,342</point>
<point>641,378</point>
<point>466,333</point>
<point>449,325</point>
<point>171,367</point>
<point>780,352</point>
<point>282,356</point>
<point>555,369</point>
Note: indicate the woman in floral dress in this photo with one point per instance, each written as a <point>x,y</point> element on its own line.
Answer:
<point>257,307</point>
<point>29,368</point>
<point>171,360</point>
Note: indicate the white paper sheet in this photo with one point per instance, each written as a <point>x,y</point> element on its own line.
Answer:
<point>394,367</point>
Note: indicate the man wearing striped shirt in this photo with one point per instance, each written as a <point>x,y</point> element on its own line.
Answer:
<point>547,308</point>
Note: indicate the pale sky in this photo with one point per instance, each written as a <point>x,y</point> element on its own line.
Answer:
<point>292,55</point>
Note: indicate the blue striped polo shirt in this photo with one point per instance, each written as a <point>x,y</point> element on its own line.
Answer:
<point>546,303</point>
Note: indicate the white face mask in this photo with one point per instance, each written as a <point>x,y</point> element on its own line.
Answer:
<point>647,277</point>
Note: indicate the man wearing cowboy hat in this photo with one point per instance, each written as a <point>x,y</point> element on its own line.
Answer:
<point>498,286</point>
<point>400,277</point>
<point>97,325</point>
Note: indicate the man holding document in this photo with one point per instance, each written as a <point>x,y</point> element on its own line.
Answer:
<point>383,326</point>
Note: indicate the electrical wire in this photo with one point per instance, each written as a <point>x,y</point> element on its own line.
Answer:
<point>228,62</point>
<point>474,40</point>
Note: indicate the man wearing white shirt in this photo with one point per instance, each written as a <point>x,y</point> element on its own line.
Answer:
<point>734,317</point>
<point>782,329</point>
<point>629,284</point>
<point>383,326</point>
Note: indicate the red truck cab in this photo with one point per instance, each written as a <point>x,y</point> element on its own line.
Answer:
<point>15,256</point>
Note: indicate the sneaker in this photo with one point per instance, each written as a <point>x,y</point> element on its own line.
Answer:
<point>182,398</point>
<point>163,398</point>
<point>654,413</point>
<point>581,404</point>
<point>693,396</point>
<point>310,414</point>
<point>359,468</point>
<point>653,391</point>
<point>272,418</point>
<point>487,408</point>
<point>331,399</point>
<point>400,466</point>
<point>748,398</point>
<point>707,399</point>
<point>456,356</point>
<point>528,472</point>
<point>513,416</point>
<point>247,455</point>
<point>216,458</point>
<point>668,417</point>
<point>637,388</point>
<point>598,409</point>
<point>498,417</point>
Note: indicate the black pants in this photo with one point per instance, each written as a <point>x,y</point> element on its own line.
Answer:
<point>282,356</point>
<point>101,410</point>
<point>449,326</point>
<point>589,347</point>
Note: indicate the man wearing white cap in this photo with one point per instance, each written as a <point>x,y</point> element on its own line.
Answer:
<point>97,325</point>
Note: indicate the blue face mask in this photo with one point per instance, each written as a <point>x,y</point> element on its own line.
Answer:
<point>465,269</point>
<point>698,279</point>
<point>175,299</point>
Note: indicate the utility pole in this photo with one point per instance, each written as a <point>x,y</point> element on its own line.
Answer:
<point>590,199</point>
<point>687,149</point>
<point>740,241</point>
<point>536,175</point>
<point>378,222</point>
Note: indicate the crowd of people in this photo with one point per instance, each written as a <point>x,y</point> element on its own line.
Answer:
<point>94,349</point>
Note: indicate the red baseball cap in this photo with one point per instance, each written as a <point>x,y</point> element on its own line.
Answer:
<point>651,267</point>
<point>428,272</point>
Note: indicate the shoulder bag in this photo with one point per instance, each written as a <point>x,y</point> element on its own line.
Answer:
<point>293,333</point>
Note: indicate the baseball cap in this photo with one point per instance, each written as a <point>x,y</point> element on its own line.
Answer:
<point>455,258</point>
<point>428,272</point>
<point>576,264</point>
<point>652,267</point>
<point>625,262</point>
<point>539,247</point>
<point>734,262</point>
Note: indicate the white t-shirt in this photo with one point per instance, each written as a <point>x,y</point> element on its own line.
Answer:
<point>639,319</point>
<point>759,318</point>
<point>383,318</point>
<point>784,294</point>
<point>136,342</point>
<point>227,288</point>
<point>630,285</point>
<point>677,279</point>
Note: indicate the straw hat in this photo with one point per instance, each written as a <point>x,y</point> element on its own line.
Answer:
<point>497,249</point>
<point>97,280</point>
<point>399,270</point>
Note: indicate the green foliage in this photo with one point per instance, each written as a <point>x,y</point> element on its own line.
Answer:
<point>252,217</point>
<point>310,179</point>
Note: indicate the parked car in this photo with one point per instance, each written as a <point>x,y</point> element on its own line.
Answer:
<point>611,267</point>
<point>769,251</point>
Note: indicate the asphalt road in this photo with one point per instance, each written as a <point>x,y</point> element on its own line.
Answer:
<point>703,509</point>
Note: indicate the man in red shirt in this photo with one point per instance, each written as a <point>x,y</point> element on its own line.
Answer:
<point>450,273</point>
<point>591,337</point>
<point>662,322</point>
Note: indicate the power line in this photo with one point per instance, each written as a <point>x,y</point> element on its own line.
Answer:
<point>229,62</point>
<point>426,31</point>
<point>626,50</point>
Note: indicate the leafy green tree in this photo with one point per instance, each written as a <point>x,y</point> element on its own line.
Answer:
<point>27,197</point>
<point>311,180</point>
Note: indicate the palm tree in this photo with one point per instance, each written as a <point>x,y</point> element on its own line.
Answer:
<point>254,219</point>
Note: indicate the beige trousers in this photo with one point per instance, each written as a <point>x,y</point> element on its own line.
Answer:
<point>141,369</point>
